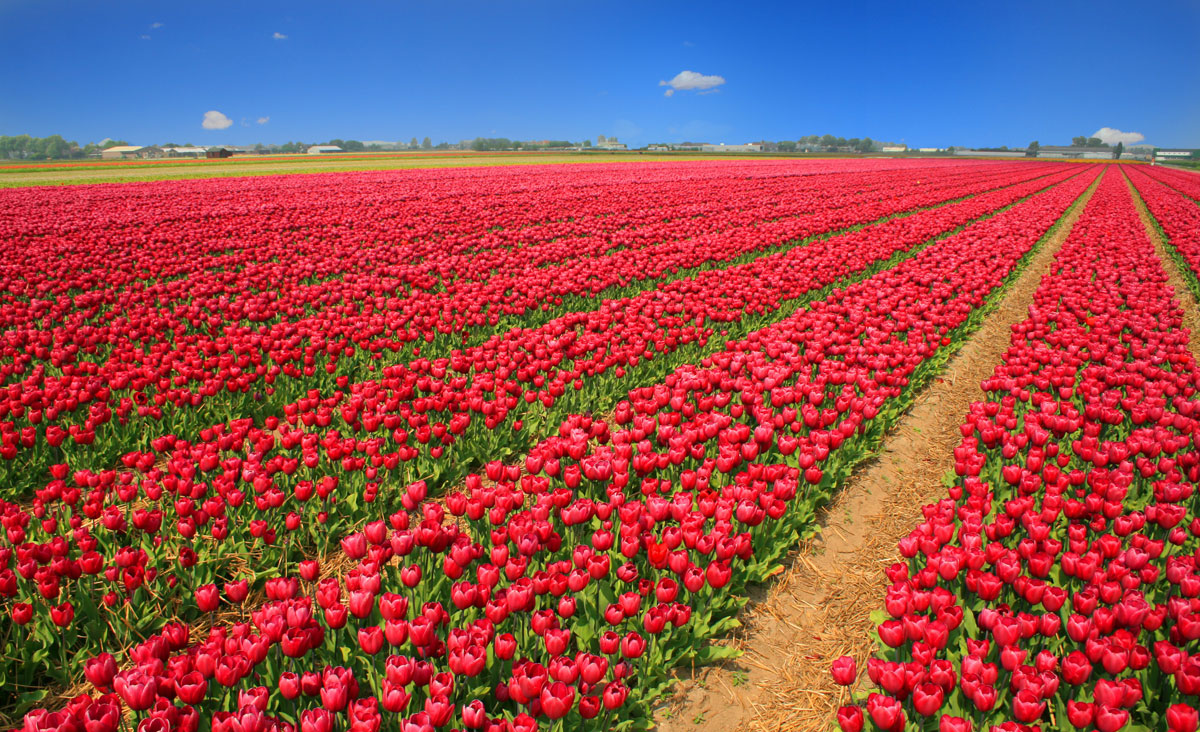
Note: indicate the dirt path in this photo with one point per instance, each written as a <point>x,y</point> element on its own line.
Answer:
<point>820,608</point>
<point>1183,294</point>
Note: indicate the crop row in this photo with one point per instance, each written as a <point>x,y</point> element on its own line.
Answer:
<point>566,584</point>
<point>1177,218</point>
<point>1057,583</point>
<point>132,333</point>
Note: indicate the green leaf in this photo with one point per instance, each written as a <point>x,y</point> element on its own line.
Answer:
<point>714,653</point>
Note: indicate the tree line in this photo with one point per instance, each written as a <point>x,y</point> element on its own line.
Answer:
<point>832,143</point>
<point>54,147</point>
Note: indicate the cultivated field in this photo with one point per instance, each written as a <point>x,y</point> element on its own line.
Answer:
<point>124,171</point>
<point>512,447</point>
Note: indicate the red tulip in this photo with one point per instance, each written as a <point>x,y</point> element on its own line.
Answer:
<point>844,671</point>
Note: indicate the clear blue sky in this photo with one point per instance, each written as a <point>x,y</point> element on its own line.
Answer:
<point>930,74</point>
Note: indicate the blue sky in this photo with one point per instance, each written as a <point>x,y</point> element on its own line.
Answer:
<point>929,74</point>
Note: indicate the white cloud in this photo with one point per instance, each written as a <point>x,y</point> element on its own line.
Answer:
<point>156,26</point>
<point>691,81</point>
<point>214,120</point>
<point>263,120</point>
<point>1112,136</point>
<point>278,36</point>
<point>145,37</point>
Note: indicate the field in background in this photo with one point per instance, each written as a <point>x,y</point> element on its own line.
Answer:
<point>18,175</point>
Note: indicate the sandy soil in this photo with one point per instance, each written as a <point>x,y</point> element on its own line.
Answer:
<point>820,608</point>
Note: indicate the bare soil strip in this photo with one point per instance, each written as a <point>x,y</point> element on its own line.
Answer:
<point>819,609</point>
<point>1183,293</point>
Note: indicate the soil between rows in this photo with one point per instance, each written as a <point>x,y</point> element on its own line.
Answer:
<point>819,608</point>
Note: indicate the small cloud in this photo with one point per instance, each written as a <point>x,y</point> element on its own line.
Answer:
<point>214,120</point>
<point>691,81</point>
<point>1111,136</point>
<point>145,37</point>
<point>155,26</point>
<point>689,44</point>
<point>278,36</point>
<point>263,120</point>
<point>245,123</point>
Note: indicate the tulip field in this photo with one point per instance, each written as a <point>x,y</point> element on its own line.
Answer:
<point>498,448</point>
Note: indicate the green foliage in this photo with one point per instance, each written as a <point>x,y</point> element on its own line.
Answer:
<point>1084,141</point>
<point>484,144</point>
<point>54,147</point>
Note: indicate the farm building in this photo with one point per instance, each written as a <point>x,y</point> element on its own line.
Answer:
<point>218,152</point>
<point>989,153</point>
<point>896,148</point>
<point>1173,154</point>
<point>126,152</point>
<point>1074,151</point>
<point>748,147</point>
<point>184,152</point>
<point>323,149</point>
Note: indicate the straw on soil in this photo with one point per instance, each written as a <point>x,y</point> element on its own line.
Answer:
<point>820,608</point>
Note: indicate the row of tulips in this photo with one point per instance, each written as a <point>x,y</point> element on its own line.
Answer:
<point>1176,216</point>
<point>1056,586</point>
<point>556,592</point>
<point>186,316</point>
<point>1186,182</point>
<point>139,540</point>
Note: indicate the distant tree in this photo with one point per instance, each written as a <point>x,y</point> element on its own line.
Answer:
<point>1080,141</point>
<point>1120,148</point>
<point>352,146</point>
<point>113,143</point>
<point>602,139</point>
<point>413,144</point>
<point>1095,142</point>
<point>426,144</point>
<point>865,145</point>
<point>1032,150</point>
<point>491,143</point>
<point>787,146</point>
<point>828,141</point>
<point>586,143</point>
<point>25,147</point>
<point>442,146</point>
<point>55,147</point>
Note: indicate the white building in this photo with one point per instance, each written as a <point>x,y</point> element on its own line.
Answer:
<point>323,149</point>
<point>989,153</point>
<point>748,147</point>
<point>896,148</point>
<point>185,152</point>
